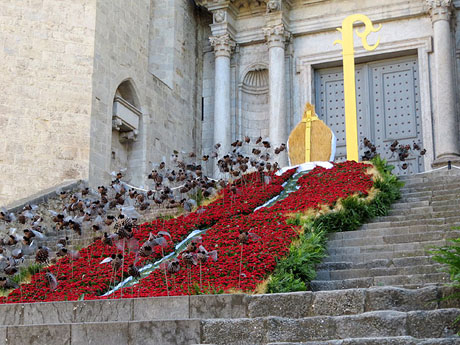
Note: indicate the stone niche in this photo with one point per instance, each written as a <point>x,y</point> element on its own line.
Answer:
<point>255,104</point>
<point>126,148</point>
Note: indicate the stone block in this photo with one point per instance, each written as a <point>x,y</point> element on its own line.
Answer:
<point>165,308</point>
<point>344,302</point>
<point>217,306</point>
<point>164,332</point>
<point>11,314</point>
<point>233,332</point>
<point>39,335</point>
<point>3,340</point>
<point>381,341</point>
<point>441,323</point>
<point>293,305</point>
<point>391,298</point>
<point>103,311</point>
<point>307,329</point>
<point>112,333</point>
<point>372,324</point>
<point>48,313</point>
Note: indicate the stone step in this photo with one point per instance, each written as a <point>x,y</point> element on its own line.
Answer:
<point>393,239</point>
<point>449,207</point>
<point>379,324</point>
<point>418,210</point>
<point>404,340</point>
<point>376,272</point>
<point>445,203</point>
<point>392,231</point>
<point>391,247</point>
<point>377,263</point>
<point>408,205</point>
<point>363,258</point>
<point>451,221</point>
<point>409,281</point>
<point>431,186</point>
<point>449,215</point>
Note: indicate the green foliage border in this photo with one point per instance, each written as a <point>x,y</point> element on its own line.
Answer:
<point>295,271</point>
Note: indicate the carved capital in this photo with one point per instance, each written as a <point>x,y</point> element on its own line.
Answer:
<point>273,6</point>
<point>219,16</point>
<point>223,45</point>
<point>439,9</point>
<point>277,36</point>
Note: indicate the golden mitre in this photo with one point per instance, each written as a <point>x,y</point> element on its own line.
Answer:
<point>312,140</point>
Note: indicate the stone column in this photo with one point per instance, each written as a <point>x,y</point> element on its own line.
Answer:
<point>445,118</point>
<point>223,46</point>
<point>276,37</point>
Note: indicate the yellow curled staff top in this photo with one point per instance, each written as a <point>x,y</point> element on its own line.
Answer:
<point>311,139</point>
<point>347,42</point>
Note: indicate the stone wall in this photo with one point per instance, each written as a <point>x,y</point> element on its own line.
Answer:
<point>171,113</point>
<point>46,54</point>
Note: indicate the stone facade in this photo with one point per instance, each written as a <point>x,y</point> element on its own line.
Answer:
<point>63,62</point>
<point>194,73</point>
<point>46,54</point>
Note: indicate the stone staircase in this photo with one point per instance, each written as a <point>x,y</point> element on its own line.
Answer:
<point>394,250</point>
<point>378,287</point>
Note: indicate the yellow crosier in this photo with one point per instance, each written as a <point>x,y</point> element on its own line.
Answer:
<point>308,116</point>
<point>347,42</point>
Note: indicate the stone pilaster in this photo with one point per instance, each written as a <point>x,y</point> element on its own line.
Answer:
<point>444,118</point>
<point>276,37</point>
<point>223,46</point>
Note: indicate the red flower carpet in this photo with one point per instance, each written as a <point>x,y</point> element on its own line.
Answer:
<point>248,244</point>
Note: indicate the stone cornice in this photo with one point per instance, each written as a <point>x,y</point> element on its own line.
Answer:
<point>223,45</point>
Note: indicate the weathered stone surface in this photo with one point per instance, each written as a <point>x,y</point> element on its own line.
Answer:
<point>218,306</point>
<point>48,313</point>
<point>312,328</point>
<point>100,333</point>
<point>452,341</point>
<point>441,323</point>
<point>293,305</point>
<point>391,298</point>
<point>39,335</point>
<point>11,314</point>
<point>234,332</point>
<point>166,308</point>
<point>103,311</point>
<point>164,332</point>
<point>338,302</point>
<point>3,340</point>
<point>372,324</point>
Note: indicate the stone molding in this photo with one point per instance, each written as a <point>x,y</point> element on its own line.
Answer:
<point>440,9</point>
<point>223,45</point>
<point>276,36</point>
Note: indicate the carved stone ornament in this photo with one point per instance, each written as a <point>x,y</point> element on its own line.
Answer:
<point>273,5</point>
<point>439,9</point>
<point>277,35</point>
<point>220,16</point>
<point>223,45</point>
